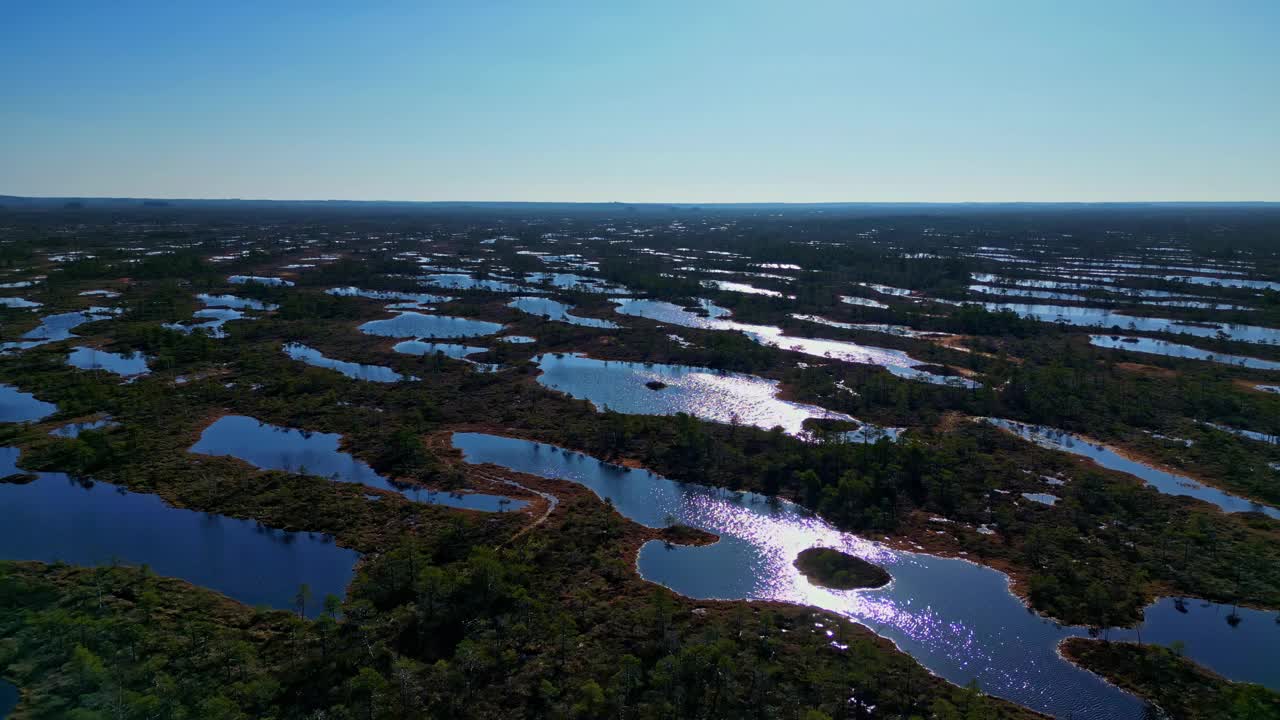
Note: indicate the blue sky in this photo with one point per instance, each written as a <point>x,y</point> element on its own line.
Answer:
<point>693,101</point>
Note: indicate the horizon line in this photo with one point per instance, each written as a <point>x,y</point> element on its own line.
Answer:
<point>684,203</point>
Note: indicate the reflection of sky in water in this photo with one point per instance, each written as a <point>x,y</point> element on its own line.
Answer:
<point>745,288</point>
<point>575,282</point>
<point>419,298</point>
<point>18,406</point>
<point>556,311</point>
<point>72,430</point>
<point>461,281</point>
<point>1163,347</point>
<point>1085,316</point>
<point>58,327</point>
<point>899,330</point>
<point>372,373</point>
<point>417,325</point>
<point>271,447</point>
<point>702,392</point>
<point>214,319</point>
<point>1166,482</point>
<point>231,301</point>
<point>864,302</point>
<point>94,359</point>
<point>17,302</point>
<point>895,361</point>
<point>453,350</point>
<point>56,518</point>
<point>957,618</point>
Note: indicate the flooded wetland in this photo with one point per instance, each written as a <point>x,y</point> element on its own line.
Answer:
<point>443,448</point>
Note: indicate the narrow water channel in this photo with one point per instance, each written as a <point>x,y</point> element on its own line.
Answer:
<point>1166,482</point>
<point>272,447</point>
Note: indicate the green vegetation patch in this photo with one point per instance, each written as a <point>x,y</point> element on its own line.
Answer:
<point>834,569</point>
<point>1181,688</point>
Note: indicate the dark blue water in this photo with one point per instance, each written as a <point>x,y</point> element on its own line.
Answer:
<point>93,359</point>
<point>57,518</point>
<point>17,406</point>
<point>546,307</point>
<point>1163,347</point>
<point>1166,482</point>
<point>417,325</point>
<point>271,447</point>
<point>372,373</point>
<point>957,618</point>
<point>8,699</point>
<point>58,327</point>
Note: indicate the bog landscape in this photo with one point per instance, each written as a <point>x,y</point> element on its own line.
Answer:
<point>340,460</point>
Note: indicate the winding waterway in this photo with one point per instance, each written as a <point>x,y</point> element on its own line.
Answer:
<point>356,371</point>
<point>955,617</point>
<point>1169,483</point>
<point>1100,317</point>
<point>1152,346</point>
<point>271,447</point>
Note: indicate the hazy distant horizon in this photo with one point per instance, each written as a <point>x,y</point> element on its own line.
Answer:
<point>662,203</point>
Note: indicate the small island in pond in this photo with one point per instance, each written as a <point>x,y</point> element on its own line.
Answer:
<point>655,385</point>
<point>834,569</point>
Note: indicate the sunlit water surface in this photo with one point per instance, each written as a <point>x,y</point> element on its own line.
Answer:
<point>957,618</point>
<point>702,392</point>
<point>555,310</point>
<point>417,325</point>
<point>1166,482</point>
<point>1100,317</point>
<point>895,361</point>
<point>1163,347</point>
